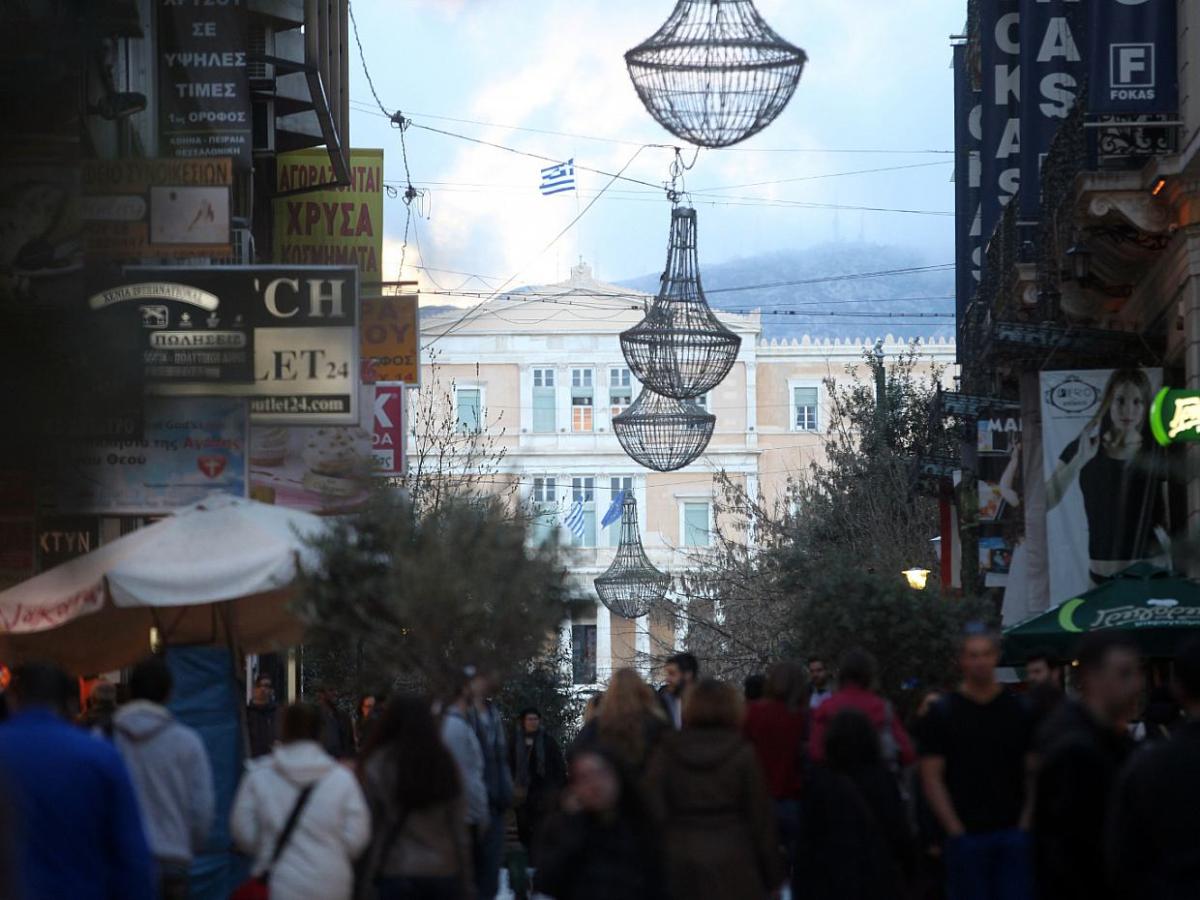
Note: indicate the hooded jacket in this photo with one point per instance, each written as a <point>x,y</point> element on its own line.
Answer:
<point>172,778</point>
<point>332,831</point>
<point>707,788</point>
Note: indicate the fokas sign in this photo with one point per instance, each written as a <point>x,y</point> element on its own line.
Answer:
<point>1133,58</point>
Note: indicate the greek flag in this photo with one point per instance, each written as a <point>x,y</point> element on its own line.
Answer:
<point>574,519</point>
<point>558,178</point>
<point>614,511</point>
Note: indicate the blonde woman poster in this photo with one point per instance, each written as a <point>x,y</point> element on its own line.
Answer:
<point>1105,475</point>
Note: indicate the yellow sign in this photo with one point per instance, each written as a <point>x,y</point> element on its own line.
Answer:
<point>338,226</point>
<point>390,339</point>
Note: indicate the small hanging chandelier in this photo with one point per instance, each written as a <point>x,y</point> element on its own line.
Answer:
<point>715,72</point>
<point>680,349</point>
<point>662,433</point>
<point>631,585</point>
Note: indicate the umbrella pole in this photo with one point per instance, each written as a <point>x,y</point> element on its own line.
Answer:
<point>237,671</point>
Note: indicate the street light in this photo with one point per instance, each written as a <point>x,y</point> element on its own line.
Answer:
<point>917,578</point>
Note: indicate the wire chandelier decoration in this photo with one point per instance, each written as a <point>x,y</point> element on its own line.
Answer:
<point>631,586</point>
<point>680,349</point>
<point>663,433</point>
<point>715,73</point>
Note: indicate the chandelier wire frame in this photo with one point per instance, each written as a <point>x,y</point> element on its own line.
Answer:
<point>680,349</point>
<point>715,73</point>
<point>663,433</point>
<point>631,586</point>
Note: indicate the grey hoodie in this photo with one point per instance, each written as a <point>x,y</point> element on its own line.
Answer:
<point>171,776</point>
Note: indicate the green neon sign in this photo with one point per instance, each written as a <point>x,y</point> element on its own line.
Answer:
<point>1175,416</point>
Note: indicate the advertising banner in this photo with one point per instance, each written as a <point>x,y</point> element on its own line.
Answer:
<point>191,447</point>
<point>339,226</point>
<point>284,336</point>
<point>387,436</point>
<point>1132,57</point>
<point>1051,72</point>
<point>135,208</point>
<point>1000,96</point>
<point>1105,475</point>
<point>391,336</point>
<point>203,87</point>
<point>967,136</point>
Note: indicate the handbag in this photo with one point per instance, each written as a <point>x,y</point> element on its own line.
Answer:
<point>257,888</point>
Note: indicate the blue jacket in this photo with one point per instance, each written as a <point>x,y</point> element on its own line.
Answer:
<point>79,834</point>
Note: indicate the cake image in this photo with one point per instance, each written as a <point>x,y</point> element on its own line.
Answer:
<point>335,460</point>
<point>268,446</point>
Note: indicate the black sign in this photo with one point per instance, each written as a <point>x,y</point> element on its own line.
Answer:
<point>204,90</point>
<point>62,538</point>
<point>1051,71</point>
<point>1132,66</point>
<point>1000,90</point>
<point>967,247</point>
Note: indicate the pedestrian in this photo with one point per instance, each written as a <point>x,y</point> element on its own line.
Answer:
<point>854,843</point>
<point>262,717</point>
<point>680,672</point>
<point>420,848</point>
<point>1042,667</point>
<point>975,763</point>
<point>337,728</point>
<point>171,773</point>
<point>101,706</point>
<point>754,686</point>
<point>302,785</point>
<point>818,679</point>
<point>628,725</point>
<point>603,845</point>
<point>77,829</point>
<point>930,875</point>
<point>463,743</point>
<point>497,778</point>
<point>1081,749</point>
<point>539,775</point>
<point>776,726</point>
<point>1155,815</point>
<point>707,790</point>
<point>856,679</point>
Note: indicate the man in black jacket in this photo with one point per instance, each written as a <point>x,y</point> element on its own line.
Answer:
<point>262,717</point>
<point>1155,818</point>
<point>1082,747</point>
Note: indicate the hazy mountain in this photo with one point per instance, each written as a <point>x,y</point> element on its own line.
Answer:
<point>850,307</point>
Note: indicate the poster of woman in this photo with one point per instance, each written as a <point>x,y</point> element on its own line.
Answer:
<point>1105,475</point>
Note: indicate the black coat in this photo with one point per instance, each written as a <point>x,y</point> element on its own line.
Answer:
<point>262,727</point>
<point>582,857</point>
<point>1154,826</point>
<point>1078,763</point>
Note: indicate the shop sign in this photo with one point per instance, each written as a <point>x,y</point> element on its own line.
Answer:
<point>1133,57</point>
<point>62,538</point>
<point>391,336</point>
<point>388,437</point>
<point>1175,416</point>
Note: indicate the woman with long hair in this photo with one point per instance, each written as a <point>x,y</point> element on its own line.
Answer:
<point>628,723</point>
<point>777,726</point>
<point>1120,476</point>
<point>420,848</point>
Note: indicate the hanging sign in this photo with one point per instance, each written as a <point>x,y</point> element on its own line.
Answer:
<point>967,246</point>
<point>1132,65</point>
<point>203,86</point>
<point>1000,95</point>
<point>387,438</point>
<point>391,339</point>
<point>1175,417</point>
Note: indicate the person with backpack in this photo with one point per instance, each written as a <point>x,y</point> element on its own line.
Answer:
<point>300,816</point>
<point>856,680</point>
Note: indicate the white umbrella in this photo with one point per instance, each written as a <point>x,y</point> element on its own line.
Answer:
<point>221,571</point>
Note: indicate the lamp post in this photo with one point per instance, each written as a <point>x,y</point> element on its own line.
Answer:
<point>916,577</point>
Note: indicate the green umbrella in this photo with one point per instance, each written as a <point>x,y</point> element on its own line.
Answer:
<point>1157,608</point>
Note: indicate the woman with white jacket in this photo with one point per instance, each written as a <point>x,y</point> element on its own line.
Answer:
<point>333,827</point>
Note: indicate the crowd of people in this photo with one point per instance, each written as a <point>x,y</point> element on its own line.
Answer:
<point>806,783</point>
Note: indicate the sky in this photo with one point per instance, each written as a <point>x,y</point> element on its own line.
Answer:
<point>878,79</point>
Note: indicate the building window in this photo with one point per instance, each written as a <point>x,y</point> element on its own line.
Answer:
<point>616,486</point>
<point>545,403</point>
<point>620,390</point>
<point>583,489</point>
<point>804,408</point>
<point>583,654</point>
<point>582,393</point>
<point>696,528</point>
<point>469,403</point>
<point>544,499</point>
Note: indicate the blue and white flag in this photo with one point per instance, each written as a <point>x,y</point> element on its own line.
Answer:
<point>614,511</point>
<point>558,178</point>
<point>574,519</point>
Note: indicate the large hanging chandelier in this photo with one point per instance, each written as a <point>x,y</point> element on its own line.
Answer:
<point>680,349</point>
<point>663,433</point>
<point>631,585</point>
<point>715,72</point>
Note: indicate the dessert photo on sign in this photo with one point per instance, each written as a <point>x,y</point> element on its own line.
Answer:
<point>322,469</point>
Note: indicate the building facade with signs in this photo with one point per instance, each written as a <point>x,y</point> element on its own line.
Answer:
<point>540,373</point>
